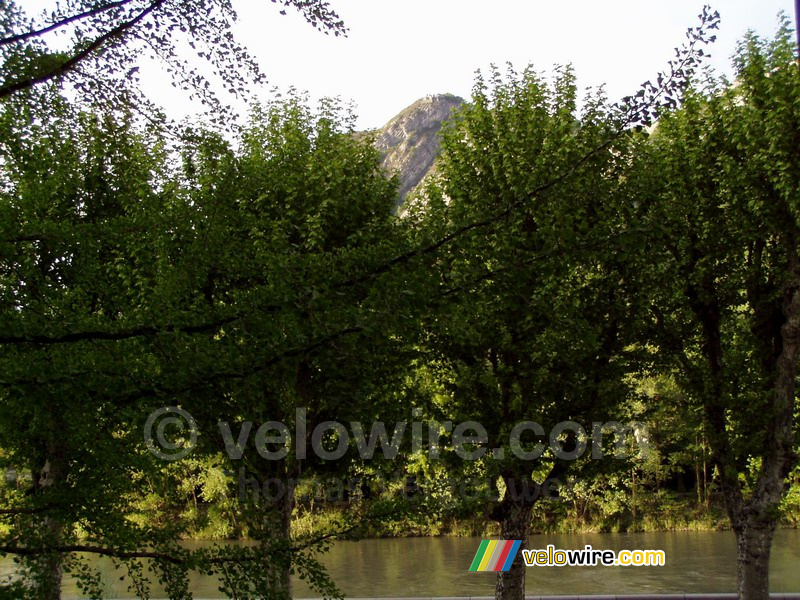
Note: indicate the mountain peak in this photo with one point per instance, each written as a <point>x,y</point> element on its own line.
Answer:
<point>410,140</point>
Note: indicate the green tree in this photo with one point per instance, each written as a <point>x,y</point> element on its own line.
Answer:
<point>540,299</point>
<point>530,210</point>
<point>224,285</point>
<point>296,206</point>
<point>721,198</point>
<point>81,236</point>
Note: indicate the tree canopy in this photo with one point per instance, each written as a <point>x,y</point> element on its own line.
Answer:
<point>564,250</point>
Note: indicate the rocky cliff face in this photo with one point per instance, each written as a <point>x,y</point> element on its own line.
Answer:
<point>410,141</point>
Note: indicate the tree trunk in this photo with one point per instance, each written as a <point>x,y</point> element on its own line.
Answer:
<point>753,544</point>
<point>697,484</point>
<point>633,495</point>
<point>285,508</point>
<point>511,584</point>
<point>273,524</point>
<point>514,515</point>
<point>705,474</point>
<point>49,568</point>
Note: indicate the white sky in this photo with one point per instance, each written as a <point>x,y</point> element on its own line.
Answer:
<point>400,50</point>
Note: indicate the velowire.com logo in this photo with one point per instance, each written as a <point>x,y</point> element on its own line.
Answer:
<point>495,555</point>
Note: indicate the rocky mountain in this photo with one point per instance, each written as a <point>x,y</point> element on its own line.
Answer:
<point>410,141</point>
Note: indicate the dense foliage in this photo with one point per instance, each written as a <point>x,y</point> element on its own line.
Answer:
<point>567,262</point>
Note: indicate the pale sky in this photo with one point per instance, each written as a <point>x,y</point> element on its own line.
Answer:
<point>400,50</point>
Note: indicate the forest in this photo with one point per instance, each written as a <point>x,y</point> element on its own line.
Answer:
<point>586,319</point>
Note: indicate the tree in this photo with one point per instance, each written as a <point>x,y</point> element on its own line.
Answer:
<point>129,285</point>
<point>540,299</point>
<point>721,199</point>
<point>535,197</point>
<point>81,233</point>
<point>296,206</point>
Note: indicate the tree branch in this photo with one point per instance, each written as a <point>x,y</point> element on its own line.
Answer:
<point>97,335</point>
<point>69,548</point>
<point>70,63</point>
<point>63,22</point>
<point>243,374</point>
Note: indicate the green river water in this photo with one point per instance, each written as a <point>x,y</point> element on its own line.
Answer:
<point>696,562</point>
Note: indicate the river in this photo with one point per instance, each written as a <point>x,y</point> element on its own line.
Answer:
<point>696,562</point>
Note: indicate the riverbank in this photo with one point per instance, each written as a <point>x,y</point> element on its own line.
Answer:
<point>426,512</point>
<point>544,522</point>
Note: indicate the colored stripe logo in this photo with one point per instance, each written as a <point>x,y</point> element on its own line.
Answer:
<point>495,555</point>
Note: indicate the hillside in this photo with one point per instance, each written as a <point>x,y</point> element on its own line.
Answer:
<point>410,142</point>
